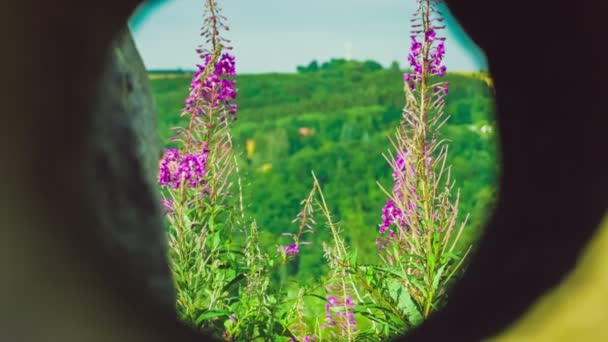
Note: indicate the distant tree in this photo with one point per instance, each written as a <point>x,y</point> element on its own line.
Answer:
<point>371,66</point>
<point>334,63</point>
<point>394,66</point>
<point>313,66</point>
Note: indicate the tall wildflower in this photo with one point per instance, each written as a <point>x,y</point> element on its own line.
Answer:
<point>195,179</point>
<point>208,105</point>
<point>340,322</point>
<point>419,217</point>
<point>306,221</point>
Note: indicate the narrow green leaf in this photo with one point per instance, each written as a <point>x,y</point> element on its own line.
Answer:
<point>315,295</point>
<point>211,314</point>
<point>430,259</point>
<point>437,278</point>
<point>233,282</point>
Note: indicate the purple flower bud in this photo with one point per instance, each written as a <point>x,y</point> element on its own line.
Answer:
<point>349,302</point>
<point>442,72</point>
<point>416,48</point>
<point>232,108</point>
<point>429,35</point>
<point>441,49</point>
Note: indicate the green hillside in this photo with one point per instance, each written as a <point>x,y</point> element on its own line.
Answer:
<point>335,119</point>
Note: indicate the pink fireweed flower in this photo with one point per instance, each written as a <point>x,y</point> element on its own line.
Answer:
<point>430,35</point>
<point>292,249</point>
<point>216,90</point>
<point>176,170</point>
<point>417,59</point>
<point>225,66</point>
<point>390,214</point>
<point>168,166</point>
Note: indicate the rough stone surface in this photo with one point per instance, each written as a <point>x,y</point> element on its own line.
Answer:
<point>124,148</point>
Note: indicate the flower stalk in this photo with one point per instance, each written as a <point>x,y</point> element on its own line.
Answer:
<point>419,215</point>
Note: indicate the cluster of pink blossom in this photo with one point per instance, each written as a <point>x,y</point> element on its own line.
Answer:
<point>391,214</point>
<point>216,89</point>
<point>292,249</point>
<point>176,169</point>
<point>417,58</point>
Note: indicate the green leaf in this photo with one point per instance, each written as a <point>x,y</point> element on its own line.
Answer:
<point>215,240</point>
<point>315,295</point>
<point>350,271</point>
<point>405,303</point>
<point>364,307</point>
<point>450,255</point>
<point>233,282</point>
<point>418,284</point>
<point>437,278</point>
<point>212,224</point>
<point>435,241</point>
<point>211,314</point>
<point>415,265</point>
<point>430,259</point>
<point>366,336</point>
<point>187,221</point>
<point>228,324</point>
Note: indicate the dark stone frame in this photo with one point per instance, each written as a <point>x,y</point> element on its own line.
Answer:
<point>553,185</point>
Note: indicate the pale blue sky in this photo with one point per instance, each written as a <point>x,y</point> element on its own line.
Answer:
<point>278,35</point>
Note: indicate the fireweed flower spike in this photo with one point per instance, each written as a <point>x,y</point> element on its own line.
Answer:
<point>211,90</point>
<point>419,217</point>
<point>196,182</point>
<point>425,58</point>
<point>211,96</point>
<point>306,221</point>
